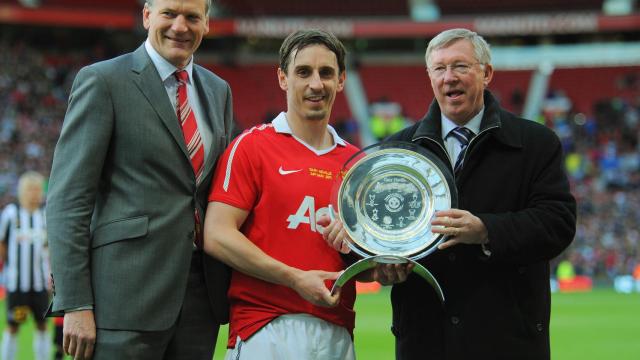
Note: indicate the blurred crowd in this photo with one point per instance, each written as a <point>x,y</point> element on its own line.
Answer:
<point>603,162</point>
<point>33,97</point>
<point>602,151</point>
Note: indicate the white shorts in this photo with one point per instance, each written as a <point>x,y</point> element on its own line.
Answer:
<point>295,337</point>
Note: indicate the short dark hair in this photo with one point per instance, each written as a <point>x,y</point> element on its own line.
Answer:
<point>303,38</point>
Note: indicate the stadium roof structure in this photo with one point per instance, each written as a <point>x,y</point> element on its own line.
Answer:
<point>490,25</point>
<point>387,8</point>
<point>253,18</point>
<point>342,8</point>
<point>75,4</point>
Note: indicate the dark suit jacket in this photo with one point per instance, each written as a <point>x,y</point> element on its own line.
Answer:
<point>496,307</point>
<point>122,194</point>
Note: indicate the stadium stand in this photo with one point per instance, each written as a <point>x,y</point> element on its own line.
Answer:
<point>409,86</point>
<point>257,96</point>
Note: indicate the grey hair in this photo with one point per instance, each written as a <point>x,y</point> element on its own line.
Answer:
<point>207,5</point>
<point>448,37</point>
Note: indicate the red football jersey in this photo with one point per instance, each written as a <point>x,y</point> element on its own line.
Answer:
<point>286,186</point>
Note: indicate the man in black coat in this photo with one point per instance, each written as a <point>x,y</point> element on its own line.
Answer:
<point>514,214</point>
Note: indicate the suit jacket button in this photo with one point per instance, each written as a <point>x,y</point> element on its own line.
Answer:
<point>539,327</point>
<point>452,256</point>
<point>455,320</point>
<point>521,270</point>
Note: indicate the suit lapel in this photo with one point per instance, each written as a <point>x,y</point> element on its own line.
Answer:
<point>146,78</point>
<point>208,99</point>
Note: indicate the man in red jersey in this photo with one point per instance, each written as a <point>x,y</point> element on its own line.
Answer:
<point>270,188</point>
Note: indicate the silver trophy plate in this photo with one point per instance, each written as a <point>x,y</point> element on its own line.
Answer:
<point>388,196</point>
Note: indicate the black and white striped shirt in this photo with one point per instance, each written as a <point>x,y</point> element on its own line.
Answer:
<point>24,233</point>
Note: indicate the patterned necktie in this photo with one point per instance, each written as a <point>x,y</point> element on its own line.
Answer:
<point>464,136</point>
<point>187,118</point>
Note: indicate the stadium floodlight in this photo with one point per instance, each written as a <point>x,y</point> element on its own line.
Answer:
<point>618,7</point>
<point>30,3</point>
<point>424,10</point>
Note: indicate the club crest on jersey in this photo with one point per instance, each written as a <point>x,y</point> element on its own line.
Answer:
<point>307,214</point>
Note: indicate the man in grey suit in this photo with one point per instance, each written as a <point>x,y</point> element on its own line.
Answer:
<point>127,196</point>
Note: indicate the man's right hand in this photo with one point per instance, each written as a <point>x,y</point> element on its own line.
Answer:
<point>79,334</point>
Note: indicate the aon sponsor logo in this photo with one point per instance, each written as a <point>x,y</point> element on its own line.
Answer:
<point>307,214</point>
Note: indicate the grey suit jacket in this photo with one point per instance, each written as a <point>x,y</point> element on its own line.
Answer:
<point>122,194</point>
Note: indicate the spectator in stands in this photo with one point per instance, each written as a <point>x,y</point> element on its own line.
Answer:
<point>58,338</point>
<point>386,119</point>
<point>31,108</point>
<point>273,184</point>
<point>515,214</point>
<point>26,265</point>
<point>127,195</point>
<point>347,128</point>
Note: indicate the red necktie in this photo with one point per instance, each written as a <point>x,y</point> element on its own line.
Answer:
<point>187,118</point>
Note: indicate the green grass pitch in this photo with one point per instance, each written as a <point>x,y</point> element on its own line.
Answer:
<point>584,326</point>
<point>597,325</point>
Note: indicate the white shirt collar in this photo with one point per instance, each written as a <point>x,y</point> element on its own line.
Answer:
<point>473,124</point>
<point>281,125</point>
<point>165,68</point>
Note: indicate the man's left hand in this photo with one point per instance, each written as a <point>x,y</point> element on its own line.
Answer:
<point>461,226</point>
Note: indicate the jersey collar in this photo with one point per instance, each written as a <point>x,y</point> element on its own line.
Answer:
<point>281,126</point>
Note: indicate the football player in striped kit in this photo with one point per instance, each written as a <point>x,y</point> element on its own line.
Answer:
<point>23,248</point>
